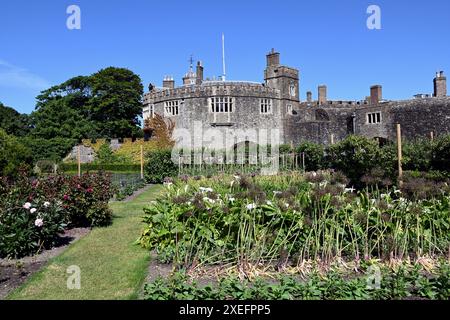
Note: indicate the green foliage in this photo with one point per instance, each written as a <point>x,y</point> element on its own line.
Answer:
<point>12,122</point>
<point>54,149</point>
<point>355,156</point>
<point>159,165</point>
<point>13,155</point>
<point>405,282</point>
<point>105,104</point>
<point>33,213</point>
<point>250,220</point>
<point>314,155</point>
<point>73,167</point>
<point>116,102</point>
<point>441,154</point>
<point>105,155</point>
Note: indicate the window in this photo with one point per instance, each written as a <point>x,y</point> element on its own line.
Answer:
<point>289,109</point>
<point>266,106</point>
<point>171,108</point>
<point>222,104</point>
<point>374,118</point>
<point>149,112</point>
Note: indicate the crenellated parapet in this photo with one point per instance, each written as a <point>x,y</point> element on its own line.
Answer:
<point>211,89</point>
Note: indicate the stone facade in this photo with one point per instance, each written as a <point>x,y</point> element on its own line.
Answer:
<point>226,113</point>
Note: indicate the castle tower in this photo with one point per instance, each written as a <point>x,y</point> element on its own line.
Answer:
<point>440,85</point>
<point>190,78</point>
<point>281,77</point>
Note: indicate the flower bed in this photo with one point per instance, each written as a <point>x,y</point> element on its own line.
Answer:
<point>287,219</point>
<point>34,212</point>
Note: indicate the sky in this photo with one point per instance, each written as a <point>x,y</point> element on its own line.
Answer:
<point>328,41</point>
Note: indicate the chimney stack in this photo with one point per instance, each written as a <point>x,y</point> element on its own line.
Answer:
<point>440,85</point>
<point>168,82</point>
<point>309,96</point>
<point>376,94</point>
<point>322,94</point>
<point>199,73</point>
<point>273,58</point>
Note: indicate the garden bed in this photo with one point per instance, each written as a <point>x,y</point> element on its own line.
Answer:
<point>14,272</point>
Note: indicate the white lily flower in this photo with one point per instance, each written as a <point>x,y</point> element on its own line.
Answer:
<point>27,206</point>
<point>251,206</point>
<point>33,210</point>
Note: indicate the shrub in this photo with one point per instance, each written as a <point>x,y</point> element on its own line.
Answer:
<point>441,154</point>
<point>34,212</point>
<point>13,155</point>
<point>314,155</point>
<point>355,156</point>
<point>159,165</point>
<point>28,223</point>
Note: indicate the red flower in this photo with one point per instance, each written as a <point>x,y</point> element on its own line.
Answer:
<point>90,190</point>
<point>66,197</point>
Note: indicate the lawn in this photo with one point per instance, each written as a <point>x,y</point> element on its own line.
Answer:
<point>112,266</point>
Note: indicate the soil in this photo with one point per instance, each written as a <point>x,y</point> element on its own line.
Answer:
<point>14,272</point>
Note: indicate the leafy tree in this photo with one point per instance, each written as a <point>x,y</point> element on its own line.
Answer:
<point>105,155</point>
<point>116,102</point>
<point>49,149</point>
<point>13,122</point>
<point>13,155</point>
<point>105,104</point>
<point>314,155</point>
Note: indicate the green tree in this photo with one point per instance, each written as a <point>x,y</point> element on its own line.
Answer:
<point>13,154</point>
<point>116,102</point>
<point>13,122</point>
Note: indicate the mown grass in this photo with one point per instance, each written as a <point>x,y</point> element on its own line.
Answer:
<point>112,266</point>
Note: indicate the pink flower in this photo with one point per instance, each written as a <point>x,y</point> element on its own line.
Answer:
<point>66,197</point>
<point>27,206</point>
<point>39,223</point>
<point>33,210</point>
<point>90,190</point>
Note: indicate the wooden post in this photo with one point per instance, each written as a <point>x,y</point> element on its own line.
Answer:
<point>399,155</point>
<point>142,162</point>
<point>432,136</point>
<point>332,138</point>
<point>303,161</point>
<point>79,160</point>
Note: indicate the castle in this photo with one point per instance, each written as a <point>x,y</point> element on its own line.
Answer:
<point>230,106</point>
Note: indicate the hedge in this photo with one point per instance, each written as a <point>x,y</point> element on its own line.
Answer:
<point>70,167</point>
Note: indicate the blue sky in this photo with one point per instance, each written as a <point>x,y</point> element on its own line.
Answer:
<point>327,40</point>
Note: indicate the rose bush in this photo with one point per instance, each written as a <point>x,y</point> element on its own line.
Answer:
<point>34,212</point>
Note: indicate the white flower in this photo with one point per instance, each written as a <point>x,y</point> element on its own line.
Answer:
<point>33,210</point>
<point>189,203</point>
<point>237,177</point>
<point>349,190</point>
<point>39,222</point>
<point>287,205</point>
<point>251,206</point>
<point>231,199</point>
<point>46,204</point>
<point>269,203</point>
<point>206,189</point>
<point>397,191</point>
<point>206,199</point>
<point>323,184</point>
<point>27,206</point>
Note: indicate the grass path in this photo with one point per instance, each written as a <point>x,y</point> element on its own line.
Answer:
<point>112,267</point>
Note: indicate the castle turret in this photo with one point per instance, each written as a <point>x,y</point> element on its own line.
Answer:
<point>281,77</point>
<point>309,96</point>
<point>440,85</point>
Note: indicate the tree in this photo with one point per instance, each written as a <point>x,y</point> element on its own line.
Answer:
<point>116,102</point>
<point>13,155</point>
<point>13,122</point>
<point>106,104</point>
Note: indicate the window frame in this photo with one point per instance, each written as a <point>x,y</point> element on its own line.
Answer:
<point>172,108</point>
<point>266,106</point>
<point>222,104</point>
<point>374,117</point>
